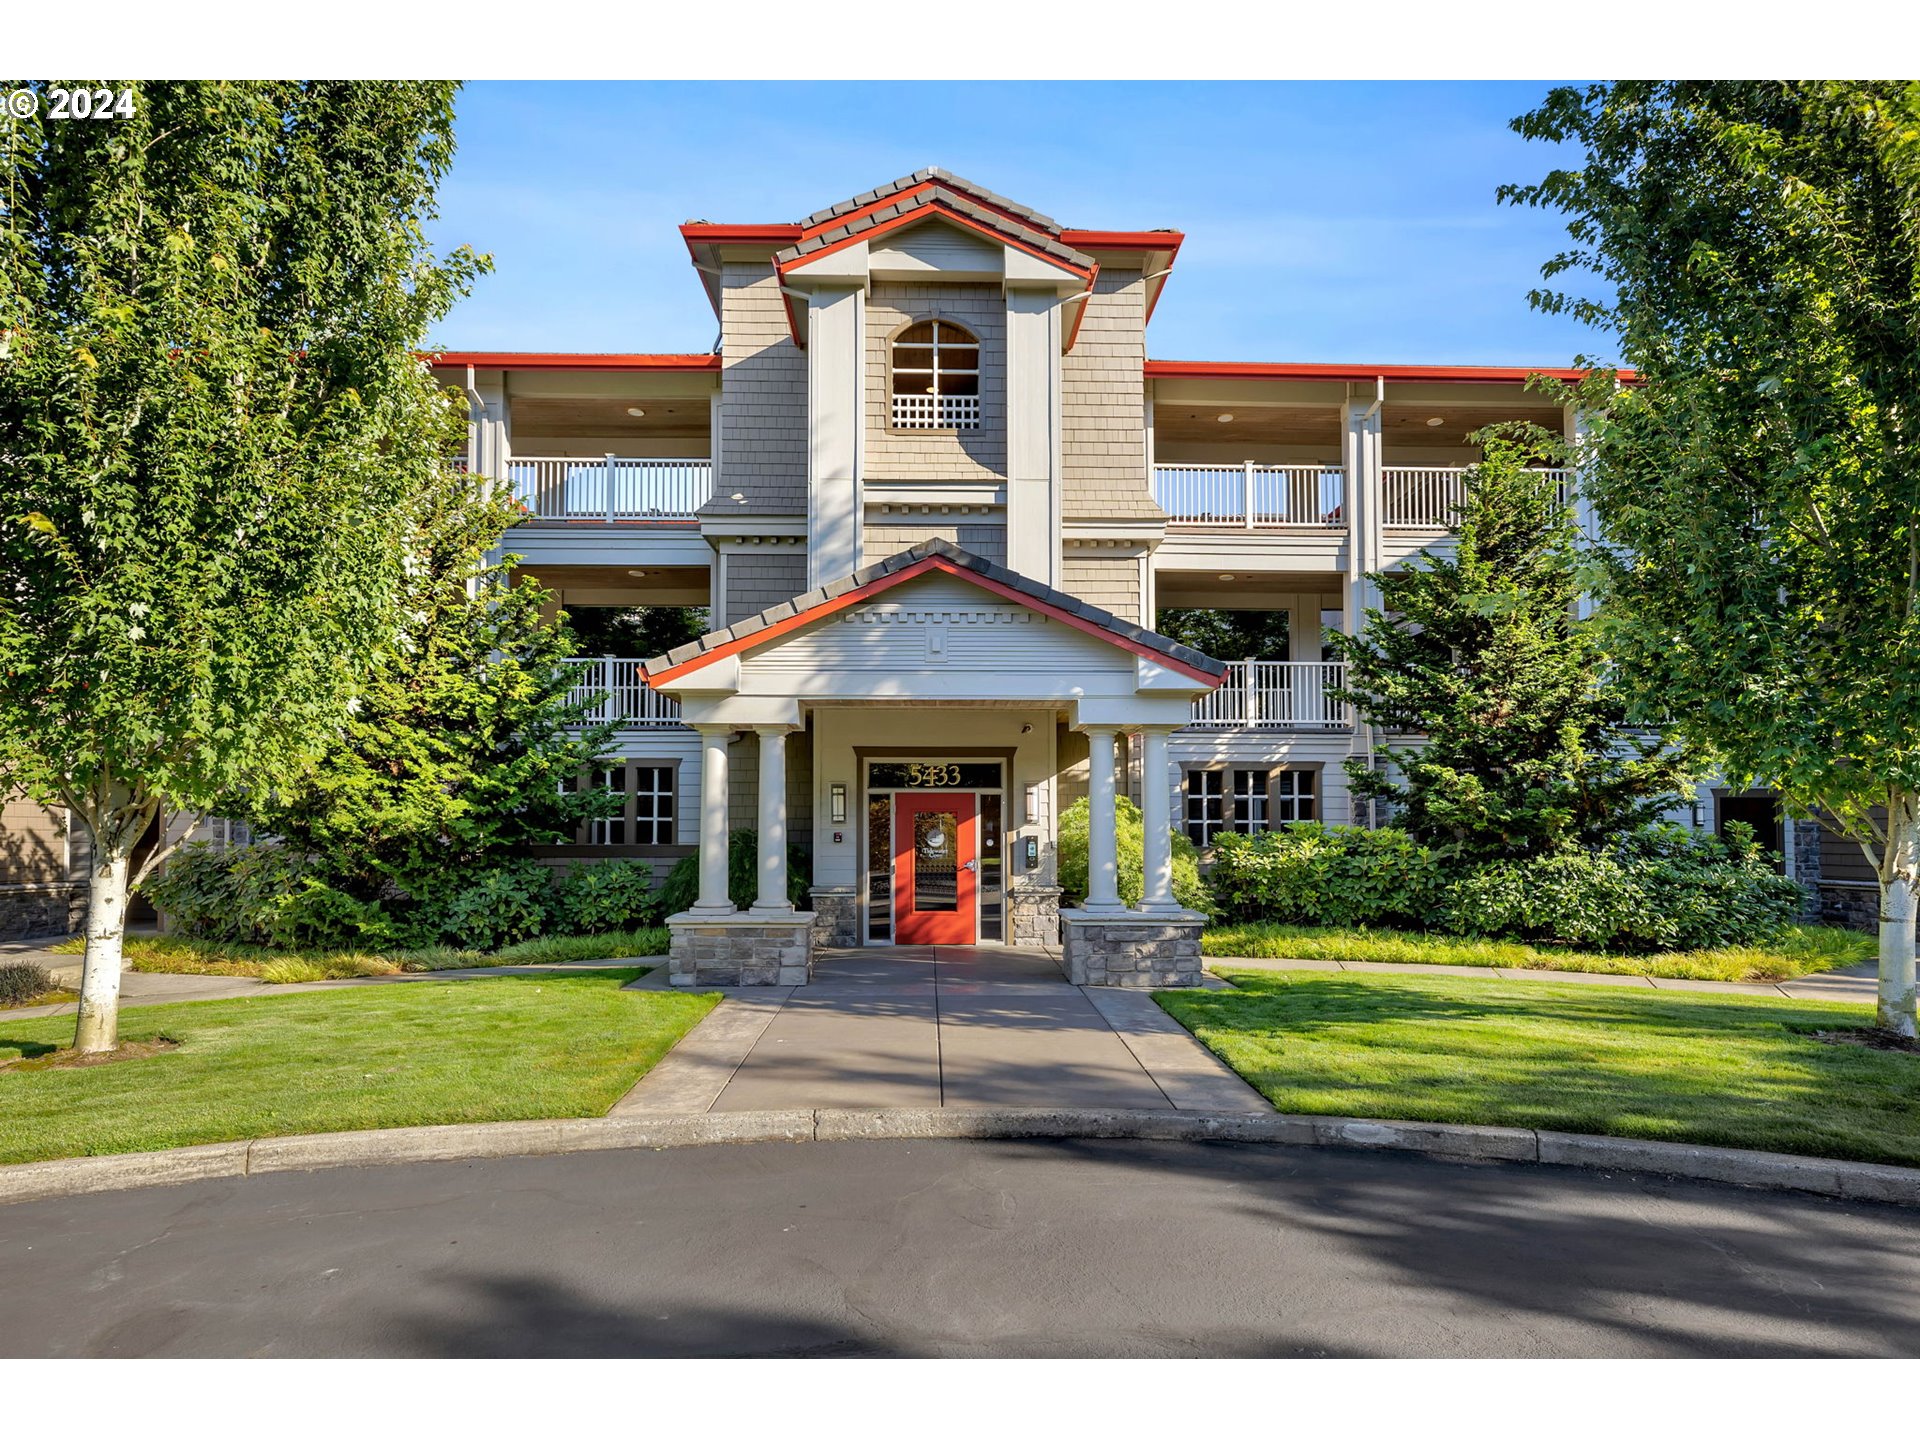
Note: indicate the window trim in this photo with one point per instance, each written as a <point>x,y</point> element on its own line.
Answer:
<point>1228,771</point>
<point>628,819</point>
<point>894,368</point>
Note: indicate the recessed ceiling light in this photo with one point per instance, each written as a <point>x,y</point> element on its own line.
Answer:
<point>1437,420</point>
<point>636,573</point>
<point>1224,417</point>
<point>637,412</point>
<point>1226,577</point>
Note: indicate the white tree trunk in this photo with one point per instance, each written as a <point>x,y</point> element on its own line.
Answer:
<point>1899,877</point>
<point>99,1027</point>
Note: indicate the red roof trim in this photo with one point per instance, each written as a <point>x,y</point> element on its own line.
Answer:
<point>1122,239</point>
<point>701,233</point>
<point>887,582</point>
<point>919,213</point>
<point>547,360</point>
<point>1436,374</point>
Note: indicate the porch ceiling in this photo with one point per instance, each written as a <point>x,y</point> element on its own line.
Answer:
<point>1317,425</point>
<point>1410,425</point>
<point>563,417</point>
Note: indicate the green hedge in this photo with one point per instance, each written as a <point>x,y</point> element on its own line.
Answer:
<point>1660,889</point>
<point>1188,888</point>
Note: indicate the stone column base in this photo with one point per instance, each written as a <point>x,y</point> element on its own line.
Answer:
<point>838,907</point>
<point>739,949</point>
<point>1033,914</point>
<point>1157,951</point>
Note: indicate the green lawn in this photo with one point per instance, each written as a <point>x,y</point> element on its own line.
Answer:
<point>509,1047</point>
<point>1801,950</point>
<point>184,955</point>
<point>1711,1069</point>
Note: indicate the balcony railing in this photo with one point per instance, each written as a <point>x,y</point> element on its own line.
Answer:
<point>936,412</point>
<point>1275,695</point>
<point>611,489</point>
<point>615,693</point>
<point>1252,497</point>
<point>1428,497</point>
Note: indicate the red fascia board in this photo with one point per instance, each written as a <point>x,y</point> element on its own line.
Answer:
<point>947,212</point>
<point>888,582</point>
<point>1080,311</point>
<point>1122,239</point>
<point>546,360</point>
<point>1433,374</point>
<point>701,233</point>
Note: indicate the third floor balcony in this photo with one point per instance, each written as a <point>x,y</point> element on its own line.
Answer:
<point>610,489</point>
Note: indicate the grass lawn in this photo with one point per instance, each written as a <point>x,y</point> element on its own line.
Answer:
<point>509,1047</point>
<point>1687,1066</point>
<point>1800,950</point>
<point>183,955</point>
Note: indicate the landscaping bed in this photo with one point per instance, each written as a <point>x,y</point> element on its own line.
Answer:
<point>1798,950</point>
<point>1711,1069</point>
<point>561,1044</point>
<point>183,955</point>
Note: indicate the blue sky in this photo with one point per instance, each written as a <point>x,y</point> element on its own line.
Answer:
<point>1324,221</point>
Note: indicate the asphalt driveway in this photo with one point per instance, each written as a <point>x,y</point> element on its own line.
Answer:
<point>958,1248</point>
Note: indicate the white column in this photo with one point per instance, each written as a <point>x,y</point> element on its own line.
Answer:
<point>713,821</point>
<point>1103,889</point>
<point>772,899</point>
<point>1154,814</point>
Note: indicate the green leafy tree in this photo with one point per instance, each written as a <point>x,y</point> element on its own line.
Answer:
<point>462,745</point>
<point>1524,751</point>
<point>214,424</point>
<point>1758,487</point>
<point>1230,634</point>
<point>639,632</point>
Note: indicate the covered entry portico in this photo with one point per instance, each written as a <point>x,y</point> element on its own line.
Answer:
<point>934,688</point>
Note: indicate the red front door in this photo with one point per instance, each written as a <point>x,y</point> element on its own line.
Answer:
<point>935,865</point>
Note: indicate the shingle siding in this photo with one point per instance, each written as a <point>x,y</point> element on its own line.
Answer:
<point>978,454</point>
<point>1103,407</point>
<point>986,538</point>
<point>758,579</point>
<point>1109,582</point>
<point>763,400</point>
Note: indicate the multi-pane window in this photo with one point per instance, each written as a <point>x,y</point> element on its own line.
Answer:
<point>1245,801</point>
<point>936,377</point>
<point>646,813</point>
<point>1290,796</point>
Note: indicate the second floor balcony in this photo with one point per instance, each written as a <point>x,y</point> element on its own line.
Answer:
<point>611,489</point>
<point>1276,695</point>
<point>615,693</point>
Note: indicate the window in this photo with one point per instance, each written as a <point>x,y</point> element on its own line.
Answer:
<point>1249,801</point>
<point>936,377</point>
<point>1206,811</point>
<point>646,813</point>
<point>1290,797</point>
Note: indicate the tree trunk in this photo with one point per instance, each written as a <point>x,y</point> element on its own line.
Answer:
<point>99,1027</point>
<point>1899,877</point>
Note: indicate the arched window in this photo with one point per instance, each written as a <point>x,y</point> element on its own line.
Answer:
<point>936,377</point>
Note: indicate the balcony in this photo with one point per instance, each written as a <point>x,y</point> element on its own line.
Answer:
<point>615,694</point>
<point>1275,695</point>
<point>1426,497</point>
<point>611,489</point>
<point>936,412</point>
<point>1252,497</point>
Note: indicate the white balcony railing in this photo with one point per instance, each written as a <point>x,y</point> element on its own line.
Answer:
<point>936,412</point>
<point>612,489</point>
<point>616,694</point>
<point>1427,497</point>
<point>1252,497</point>
<point>1275,695</point>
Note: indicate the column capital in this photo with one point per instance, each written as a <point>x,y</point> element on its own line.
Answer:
<point>777,729</point>
<point>708,730</point>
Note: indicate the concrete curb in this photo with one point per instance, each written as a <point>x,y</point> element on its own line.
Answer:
<point>92,1174</point>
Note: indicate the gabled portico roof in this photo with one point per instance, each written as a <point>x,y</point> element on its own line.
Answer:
<point>929,556</point>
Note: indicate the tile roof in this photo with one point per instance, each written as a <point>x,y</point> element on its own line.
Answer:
<point>921,177</point>
<point>1124,631</point>
<point>1042,240</point>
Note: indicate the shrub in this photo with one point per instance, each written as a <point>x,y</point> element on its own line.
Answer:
<point>682,886</point>
<point>498,907</point>
<point>1130,849</point>
<point>263,894</point>
<point>1659,889</point>
<point>1315,874</point>
<point>21,982</point>
<point>605,895</point>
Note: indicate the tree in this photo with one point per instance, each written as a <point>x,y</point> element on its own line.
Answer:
<point>638,632</point>
<point>214,426</point>
<point>462,745</point>
<point>1525,752</point>
<point>1232,634</point>
<point>1758,485</point>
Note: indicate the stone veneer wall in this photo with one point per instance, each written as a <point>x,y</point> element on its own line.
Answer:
<point>30,911</point>
<point>1034,913</point>
<point>838,910</point>
<point>740,950</point>
<point>1135,951</point>
<point>1857,907</point>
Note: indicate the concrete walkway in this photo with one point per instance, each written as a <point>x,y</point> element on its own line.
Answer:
<point>1855,983</point>
<point>915,1026</point>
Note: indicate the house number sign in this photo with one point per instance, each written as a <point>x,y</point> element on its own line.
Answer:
<point>933,775</point>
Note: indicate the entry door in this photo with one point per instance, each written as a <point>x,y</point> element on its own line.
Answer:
<point>935,867</point>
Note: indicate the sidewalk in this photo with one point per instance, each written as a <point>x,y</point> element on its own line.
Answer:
<point>1856,983</point>
<point>975,1027</point>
